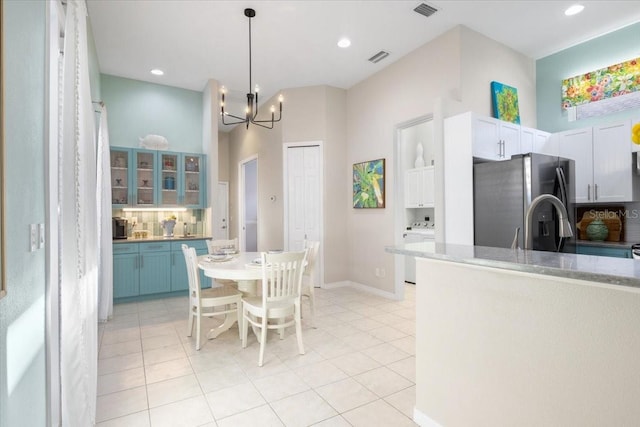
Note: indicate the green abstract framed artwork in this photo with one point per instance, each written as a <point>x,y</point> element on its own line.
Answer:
<point>368,184</point>
<point>505,102</point>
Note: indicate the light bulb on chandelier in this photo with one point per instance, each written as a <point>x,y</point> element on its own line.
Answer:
<point>251,111</point>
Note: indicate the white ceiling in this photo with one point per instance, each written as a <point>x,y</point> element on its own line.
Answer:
<point>294,42</point>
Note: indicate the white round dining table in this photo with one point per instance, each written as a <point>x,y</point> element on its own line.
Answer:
<point>238,267</point>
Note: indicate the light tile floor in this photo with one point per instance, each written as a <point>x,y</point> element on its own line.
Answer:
<point>358,370</point>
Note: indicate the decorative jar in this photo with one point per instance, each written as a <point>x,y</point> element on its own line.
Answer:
<point>597,230</point>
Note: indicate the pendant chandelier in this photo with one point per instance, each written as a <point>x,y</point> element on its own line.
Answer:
<point>251,112</point>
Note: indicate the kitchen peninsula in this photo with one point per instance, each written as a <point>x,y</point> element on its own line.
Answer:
<point>511,337</point>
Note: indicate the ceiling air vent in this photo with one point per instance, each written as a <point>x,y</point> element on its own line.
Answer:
<point>425,9</point>
<point>379,56</point>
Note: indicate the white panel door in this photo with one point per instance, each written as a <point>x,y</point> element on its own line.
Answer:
<point>303,190</point>
<point>510,137</point>
<point>486,138</point>
<point>221,206</point>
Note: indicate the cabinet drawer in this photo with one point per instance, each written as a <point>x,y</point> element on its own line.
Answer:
<point>155,247</point>
<point>199,244</point>
<point>125,248</point>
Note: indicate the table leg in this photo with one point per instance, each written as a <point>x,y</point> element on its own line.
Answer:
<point>229,320</point>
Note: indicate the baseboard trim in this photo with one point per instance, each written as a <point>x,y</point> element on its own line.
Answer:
<point>360,287</point>
<point>423,420</point>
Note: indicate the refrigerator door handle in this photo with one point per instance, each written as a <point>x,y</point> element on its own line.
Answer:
<point>588,191</point>
<point>595,192</point>
<point>562,181</point>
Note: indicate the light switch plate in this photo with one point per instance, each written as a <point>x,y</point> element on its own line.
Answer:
<point>40,236</point>
<point>33,237</point>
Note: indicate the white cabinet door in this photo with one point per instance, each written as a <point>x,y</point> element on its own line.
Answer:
<point>538,141</point>
<point>577,145</point>
<point>486,138</point>
<point>428,182</point>
<point>419,187</point>
<point>612,172</point>
<point>510,138</point>
<point>494,139</point>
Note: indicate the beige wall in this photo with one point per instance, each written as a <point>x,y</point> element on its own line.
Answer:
<point>404,90</point>
<point>223,156</point>
<point>267,145</point>
<point>309,114</point>
<point>503,348</point>
<point>485,60</point>
<point>454,69</point>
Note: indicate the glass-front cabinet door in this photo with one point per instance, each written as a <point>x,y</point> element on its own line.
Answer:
<point>169,178</point>
<point>193,182</point>
<point>145,178</point>
<point>120,174</point>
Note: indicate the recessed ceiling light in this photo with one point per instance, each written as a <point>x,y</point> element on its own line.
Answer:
<point>157,72</point>
<point>344,42</point>
<point>574,10</point>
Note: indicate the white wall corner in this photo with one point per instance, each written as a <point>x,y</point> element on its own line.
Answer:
<point>423,420</point>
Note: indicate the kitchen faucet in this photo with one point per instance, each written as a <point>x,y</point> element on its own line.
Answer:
<point>564,229</point>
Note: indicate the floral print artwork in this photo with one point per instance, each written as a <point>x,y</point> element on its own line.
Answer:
<point>609,82</point>
<point>505,102</point>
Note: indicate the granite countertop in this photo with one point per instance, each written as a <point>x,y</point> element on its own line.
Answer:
<point>162,239</point>
<point>609,270</point>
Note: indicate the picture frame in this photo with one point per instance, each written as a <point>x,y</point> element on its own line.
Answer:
<point>369,184</point>
<point>504,100</point>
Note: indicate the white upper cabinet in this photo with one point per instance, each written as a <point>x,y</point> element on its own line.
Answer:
<point>494,139</point>
<point>419,187</point>
<point>577,145</point>
<point>612,166</point>
<point>603,162</point>
<point>537,141</point>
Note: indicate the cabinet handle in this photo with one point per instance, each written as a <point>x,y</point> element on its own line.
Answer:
<point>499,148</point>
<point>588,191</point>
<point>504,150</point>
<point>595,192</point>
<point>154,246</point>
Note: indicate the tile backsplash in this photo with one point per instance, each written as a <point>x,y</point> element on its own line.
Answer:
<point>145,220</point>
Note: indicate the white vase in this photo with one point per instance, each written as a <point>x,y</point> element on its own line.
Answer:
<point>419,159</point>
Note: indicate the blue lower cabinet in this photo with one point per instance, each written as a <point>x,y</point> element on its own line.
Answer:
<point>604,251</point>
<point>126,280</point>
<point>153,268</point>
<point>179,279</point>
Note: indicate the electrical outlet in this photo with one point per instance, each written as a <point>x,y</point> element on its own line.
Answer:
<point>40,236</point>
<point>33,237</point>
<point>382,272</point>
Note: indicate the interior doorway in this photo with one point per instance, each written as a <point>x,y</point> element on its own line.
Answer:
<point>248,205</point>
<point>303,205</point>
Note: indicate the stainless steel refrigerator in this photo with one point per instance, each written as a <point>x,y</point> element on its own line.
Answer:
<point>503,192</point>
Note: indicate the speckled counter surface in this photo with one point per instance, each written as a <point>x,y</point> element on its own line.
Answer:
<point>609,270</point>
<point>161,239</point>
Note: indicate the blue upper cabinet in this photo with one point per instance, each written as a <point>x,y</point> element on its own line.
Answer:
<point>144,182</point>
<point>121,162</point>
<point>192,182</point>
<point>149,178</point>
<point>169,188</point>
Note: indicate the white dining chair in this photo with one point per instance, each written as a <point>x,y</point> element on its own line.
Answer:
<point>280,299</point>
<point>203,302</point>
<point>217,247</point>
<point>309,276</point>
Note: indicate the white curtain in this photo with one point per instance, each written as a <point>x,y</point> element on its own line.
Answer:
<point>105,248</point>
<point>78,228</point>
